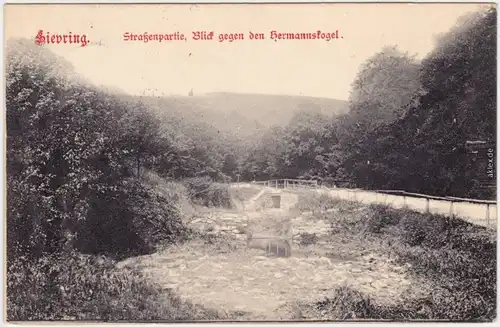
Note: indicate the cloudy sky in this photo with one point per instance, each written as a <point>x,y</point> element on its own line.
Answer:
<point>294,67</point>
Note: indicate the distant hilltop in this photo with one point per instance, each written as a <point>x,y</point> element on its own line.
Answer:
<point>263,108</point>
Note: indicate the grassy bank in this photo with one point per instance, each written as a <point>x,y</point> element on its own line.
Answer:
<point>457,258</point>
<point>205,192</point>
<point>88,287</point>
<point>70,285</point>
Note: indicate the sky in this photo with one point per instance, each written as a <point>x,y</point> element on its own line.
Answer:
<point>288,67</point>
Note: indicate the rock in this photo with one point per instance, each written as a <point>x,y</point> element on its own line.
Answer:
<point>405,282</point>
<point>170,286</point>
<point>260,257</point>
<point>378,284</point>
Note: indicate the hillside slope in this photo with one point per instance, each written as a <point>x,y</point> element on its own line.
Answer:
<point>245,112</point>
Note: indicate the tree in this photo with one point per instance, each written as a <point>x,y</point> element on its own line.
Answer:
<point>424,150</point>
<point>385,83</point>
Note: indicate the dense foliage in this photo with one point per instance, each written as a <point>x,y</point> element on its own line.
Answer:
<point>408,122</point>
<point>73,157</point>
<point>76,157</point>
<point>425,150</point>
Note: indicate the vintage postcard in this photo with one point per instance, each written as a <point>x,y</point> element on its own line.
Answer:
<point>250,162</point>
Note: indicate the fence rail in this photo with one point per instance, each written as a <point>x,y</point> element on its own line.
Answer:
<point>288,183</point>
<point>479,212</point>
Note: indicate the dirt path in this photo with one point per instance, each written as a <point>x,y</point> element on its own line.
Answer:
<point>262,287</point>
<point>229,277</point>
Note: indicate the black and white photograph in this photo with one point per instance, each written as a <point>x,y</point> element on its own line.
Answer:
<point>299,162</point>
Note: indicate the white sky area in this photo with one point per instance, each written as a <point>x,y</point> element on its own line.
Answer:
<point>287,67</point>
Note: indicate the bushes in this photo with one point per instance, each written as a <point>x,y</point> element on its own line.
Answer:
<point>308,239</point>
<point>316,202</point>
<point>133,218</point>
<point>72,151</point>
<point>349,304</point>
<point>244,193</point>
<point>457,257</point>
<point>381,216</point>
<point>345,303</point>
<point>203,191</point>
<point>460,256</point>
<point>73,286</point>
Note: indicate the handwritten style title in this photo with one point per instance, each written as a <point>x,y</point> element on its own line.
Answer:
<point>230,37</point>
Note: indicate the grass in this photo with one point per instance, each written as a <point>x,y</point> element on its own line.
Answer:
<point>79,287</point>
<point>244,193</point>
<point>457,258</point>
<point>75,286</point>
<point>203,191</point>
<point>318,203</point>
<point>308,239</point>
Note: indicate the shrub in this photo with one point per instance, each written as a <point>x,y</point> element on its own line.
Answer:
<point>205,192</point>
<point>345,303</point>
<point>244,193</point>
<point>459,256</point>
<point>132,218</point>
<point>381,216</point>
<point>308,239</point>
<point>316,202</point>
<point>350,222</point>
<point>349,304</point>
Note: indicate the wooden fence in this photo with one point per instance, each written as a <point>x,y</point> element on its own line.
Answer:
<point>479,212</point>
<point>288,183</point>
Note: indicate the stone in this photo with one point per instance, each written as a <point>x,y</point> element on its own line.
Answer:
<point>259,257</point>
<point>170,286</point>
<point>356,270</point>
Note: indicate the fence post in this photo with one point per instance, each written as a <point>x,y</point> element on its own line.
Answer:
<point>404,201</point>
<point>451,208</point>
<point>427,209</point>
<point>276,184</point>
<point>488,215</point>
